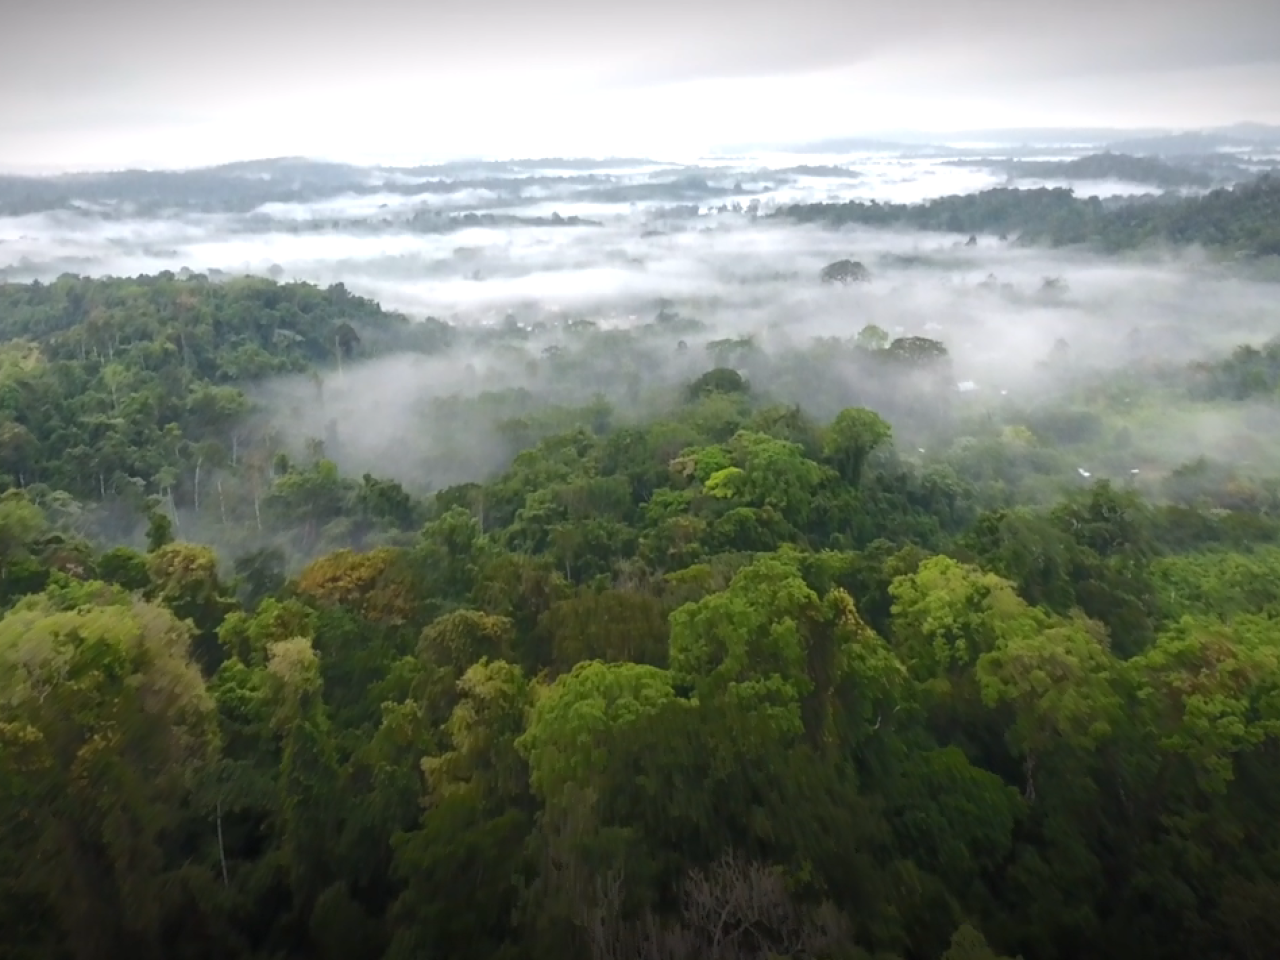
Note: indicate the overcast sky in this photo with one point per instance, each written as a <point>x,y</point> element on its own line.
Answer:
<point>122,82</point>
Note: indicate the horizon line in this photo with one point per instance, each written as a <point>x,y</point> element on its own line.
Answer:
<point>909,138</point>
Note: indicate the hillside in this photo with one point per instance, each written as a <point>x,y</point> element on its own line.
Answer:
<point>1244,218</point>
<point>709,677</point>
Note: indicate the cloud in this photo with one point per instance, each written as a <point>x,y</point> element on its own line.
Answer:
<point>237,45</point>
<point>736,277</point>
<point>143,79</point>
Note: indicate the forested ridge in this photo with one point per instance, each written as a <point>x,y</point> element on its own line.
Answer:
<point>727,679</point>
<point>1242,219</point>
<point>1106,166</point>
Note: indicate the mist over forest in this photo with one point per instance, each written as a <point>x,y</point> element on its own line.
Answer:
<point>567,282</point>
<point>852,550</point>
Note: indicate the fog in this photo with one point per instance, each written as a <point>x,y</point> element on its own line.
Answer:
<point>699,240</point>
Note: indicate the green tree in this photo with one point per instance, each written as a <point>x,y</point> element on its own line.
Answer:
<point>105,724</point>
<point>850,440</point>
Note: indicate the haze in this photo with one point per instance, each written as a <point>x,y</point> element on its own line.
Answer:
<point>141,83</point>
<point>723,115</point>
<point>675,480</point>
<point>699,239</point>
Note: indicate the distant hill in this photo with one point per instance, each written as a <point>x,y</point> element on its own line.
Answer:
<point>1244,137</point>
<point>1101,166</point>
<point>242,186</point>
<point>819,170</point>
<point>1244,219</point>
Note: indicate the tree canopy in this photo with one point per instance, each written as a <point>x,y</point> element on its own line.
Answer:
<point>714,676</point>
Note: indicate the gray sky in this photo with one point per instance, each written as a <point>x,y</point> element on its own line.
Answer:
<point>85,84</point>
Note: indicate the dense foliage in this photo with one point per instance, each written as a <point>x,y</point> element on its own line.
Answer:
<point>1244,218</point>
<point>116,390</point>
<point>724,680</point>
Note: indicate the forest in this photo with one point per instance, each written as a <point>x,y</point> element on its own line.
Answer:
<point>1102,166</point>
<point>1241,219</point>
<point>646,659</point>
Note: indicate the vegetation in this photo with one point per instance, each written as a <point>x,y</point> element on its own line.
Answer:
<point>244,187</point>
<point>710,677</point>
<point>845,271</point>
<point>1103,166</point>
<point>1243,218</point>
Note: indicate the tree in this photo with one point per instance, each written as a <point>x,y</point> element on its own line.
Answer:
<point>309,807</point>
<point>22,525</point>
<point>184,577</point>
<point>768,644</point>
<point>719,380</point>
<point>761,472</point>
<point>378,584</point>
<point>450,554</point>
<point>1060,683</point>
<point>852,437</point>
<point>474,825</point>
<point>738,907</point>
<point>872,338</point>
<point>124,567</point>
<point>483,732</point>
<point>104,725</point>
<point>917,351</point>
<point>462,638</point>
<point>159,530</point>
<point>18,452</point>
<point>946,615</point>
<point>609,625</point>
<point>259,574</point>
<point>968,943</point>
<point>571,725</point>
<point>951,818</point>
<point>844,272</point>
<point>1029,550</point>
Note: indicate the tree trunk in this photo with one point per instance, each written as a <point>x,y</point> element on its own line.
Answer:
<point>222,853</point>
